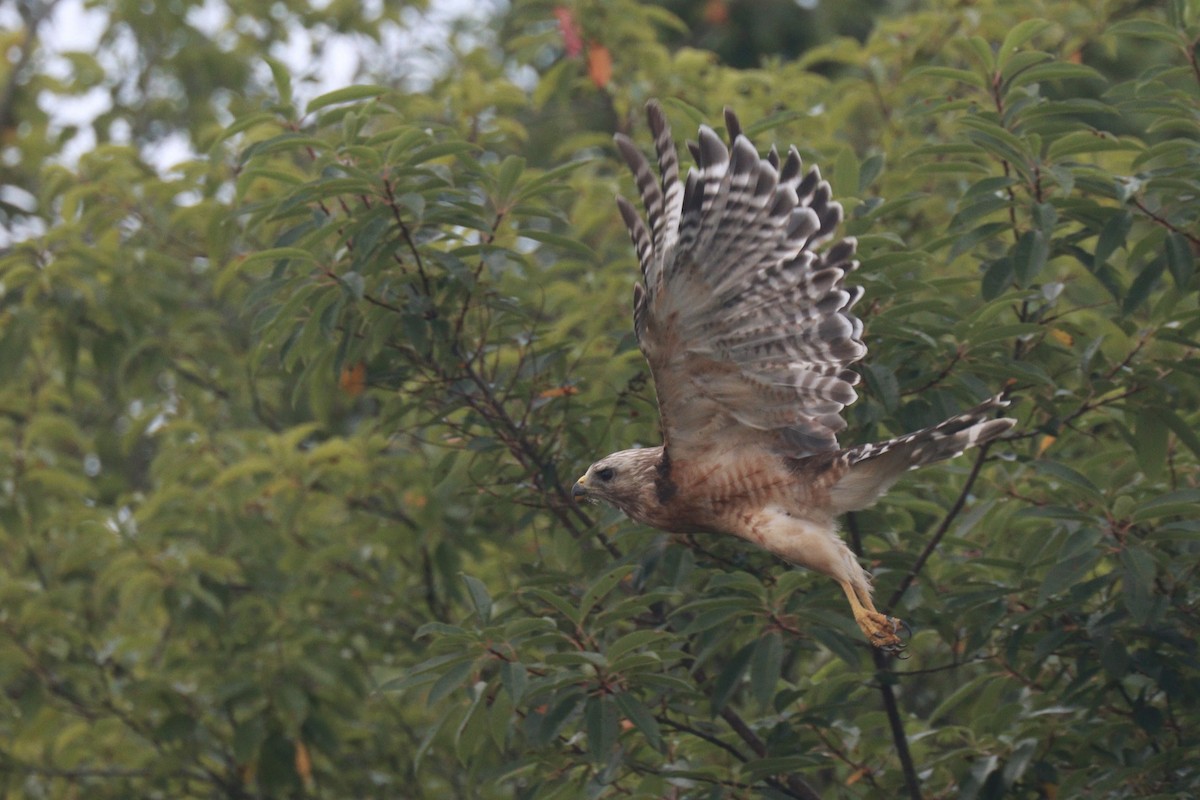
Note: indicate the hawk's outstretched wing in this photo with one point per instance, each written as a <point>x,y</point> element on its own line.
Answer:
<point>747,327</point>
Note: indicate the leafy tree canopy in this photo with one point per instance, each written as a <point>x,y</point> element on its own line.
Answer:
<point>288,429</point>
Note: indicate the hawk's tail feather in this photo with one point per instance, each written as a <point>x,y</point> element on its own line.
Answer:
<point>871,469</point>
<point>944,440</point>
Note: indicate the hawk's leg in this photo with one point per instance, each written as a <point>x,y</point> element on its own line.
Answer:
<point>880,629</point>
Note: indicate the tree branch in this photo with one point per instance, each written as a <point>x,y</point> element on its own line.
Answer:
<point>896,723</point>
<point>792,785</point>
<point>1166,223</point>
<point>33,13</point>
<point>890,706</point>
<point>940,533</point>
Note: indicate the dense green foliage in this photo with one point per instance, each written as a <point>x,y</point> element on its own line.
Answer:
<point>288,431</point>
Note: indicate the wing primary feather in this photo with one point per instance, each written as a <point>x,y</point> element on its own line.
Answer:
<point>713,155</point>
<point>639,309</point>
<point>666,234</point>
<point>647,185</point>
<point>638,233</point>
<point>733,126</point>
<point>789,174</point>
<point>773,157</point>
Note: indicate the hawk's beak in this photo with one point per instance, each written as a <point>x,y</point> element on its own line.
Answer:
<point>578,490</point>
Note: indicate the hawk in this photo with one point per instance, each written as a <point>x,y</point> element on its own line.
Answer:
<point>748,331</point>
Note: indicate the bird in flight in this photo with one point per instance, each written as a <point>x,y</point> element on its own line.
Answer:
<point>746,322</point>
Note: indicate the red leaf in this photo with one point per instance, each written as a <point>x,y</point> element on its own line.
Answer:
<point>569,28</point>
<point>599,64</point>
<point>353,379</point>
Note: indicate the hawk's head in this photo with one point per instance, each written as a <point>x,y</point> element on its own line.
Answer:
<point>624,479</point>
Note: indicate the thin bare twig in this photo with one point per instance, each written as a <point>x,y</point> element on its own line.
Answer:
<point>942,528</point>
<point>1166,223</point>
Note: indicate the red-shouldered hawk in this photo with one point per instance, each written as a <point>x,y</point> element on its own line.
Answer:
<point>749,336</point>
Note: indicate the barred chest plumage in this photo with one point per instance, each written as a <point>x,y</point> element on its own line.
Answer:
<point>726,494</point>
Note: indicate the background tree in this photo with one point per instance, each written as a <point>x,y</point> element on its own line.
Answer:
<point>289,429</point>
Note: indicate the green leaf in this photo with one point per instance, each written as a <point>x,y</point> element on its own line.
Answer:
<point>1058,70</point>
<point>1180,260</point>
<point>602,586</point>
<point>1070,476</point>
<point>637,713</point>
<point>1112,236</point>
<point>283,80</point>
<point>778,765</point>
<point>1029,256</point>
<point>248,737</point>
<point>997,277</point>
<point>996,140</point>
<point>602,725</point>
<point>439,150</point>
<point>1020,62</point>
<point>1045,216</point>
<point>632,641</point>
<point>950,73</point>
<point>1021,33</point>
<point>551,180</point>
<point>1138,570</point>
<point>978,335</point>
<point>1143,284</point>
<point>1150,442</point>
<point>1074,144</point>
<point>1185,432</point>
<point>472,729</point>
<point>440,629</point>
<point>345,95</point>
<point>291,702</point>
<point>249,121</point>
<point>507,177</point>
<point>965,692</point>
<point>550,725</point>
<point>514,678</point>
<point>730,677</point>
<point>1179,503</point>
<point>480,599</point>
<point>982,207</point>
<point>1065,573</point>
<point>453,678</point>
<point>573,246</point>
<point>982,50</point>
<point>845,172</point>
<point>1145,28</point>
<point>765,667</point>
<point>868,171</point>
<point>501,720</point>
<point>558,602</point>
<point>277,254</point>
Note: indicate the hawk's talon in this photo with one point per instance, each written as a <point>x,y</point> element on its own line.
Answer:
<point>882,630</point>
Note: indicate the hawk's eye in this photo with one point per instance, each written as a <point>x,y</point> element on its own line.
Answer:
<point>606,474</point>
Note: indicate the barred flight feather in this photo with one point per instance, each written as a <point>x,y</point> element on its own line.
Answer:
<point>731,274</point>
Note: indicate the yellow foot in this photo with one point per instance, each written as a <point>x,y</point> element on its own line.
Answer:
<point>881,630</point>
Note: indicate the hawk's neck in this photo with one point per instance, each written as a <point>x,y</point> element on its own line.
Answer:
<point>664,484</point>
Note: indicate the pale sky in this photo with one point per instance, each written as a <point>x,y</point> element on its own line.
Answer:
<point>73,27</point>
